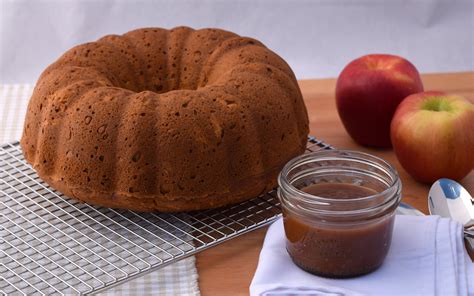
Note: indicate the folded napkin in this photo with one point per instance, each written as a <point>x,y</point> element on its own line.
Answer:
<point>427,257</point>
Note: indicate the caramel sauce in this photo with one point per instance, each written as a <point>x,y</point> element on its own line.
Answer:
<point>338,251</point>
<point>339,190</point>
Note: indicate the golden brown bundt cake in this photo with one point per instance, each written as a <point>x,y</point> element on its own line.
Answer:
<point>168,120</point>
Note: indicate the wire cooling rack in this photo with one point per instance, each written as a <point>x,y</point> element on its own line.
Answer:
<point>51,244</point>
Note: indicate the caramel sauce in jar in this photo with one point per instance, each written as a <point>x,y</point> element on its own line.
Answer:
<point>338,211</point>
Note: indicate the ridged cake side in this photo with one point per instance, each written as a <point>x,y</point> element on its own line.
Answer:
<point>167,120</point>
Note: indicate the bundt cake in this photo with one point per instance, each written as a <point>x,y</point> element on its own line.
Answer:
<point>167,120</point>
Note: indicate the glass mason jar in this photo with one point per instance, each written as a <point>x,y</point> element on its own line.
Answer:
<point>338,211</point>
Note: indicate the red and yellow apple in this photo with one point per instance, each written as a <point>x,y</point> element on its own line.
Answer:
<point>368,91</point>
<point>433,136</point>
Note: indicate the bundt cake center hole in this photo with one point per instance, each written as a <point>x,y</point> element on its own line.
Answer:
<point>178,77</point>
<point>168,85</point>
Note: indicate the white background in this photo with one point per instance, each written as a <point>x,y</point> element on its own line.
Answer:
<point>317,38</point>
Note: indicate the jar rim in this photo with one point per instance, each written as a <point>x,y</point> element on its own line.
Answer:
<point>333,154</point>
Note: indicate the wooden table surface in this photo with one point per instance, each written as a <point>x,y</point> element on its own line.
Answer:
<point>227,269</point>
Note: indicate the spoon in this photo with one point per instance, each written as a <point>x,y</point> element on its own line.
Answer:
<point>448,198</point>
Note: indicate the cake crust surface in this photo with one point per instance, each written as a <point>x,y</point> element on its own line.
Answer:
<point>165,120</point>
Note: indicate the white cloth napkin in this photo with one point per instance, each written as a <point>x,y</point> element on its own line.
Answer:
<point>427,257</point>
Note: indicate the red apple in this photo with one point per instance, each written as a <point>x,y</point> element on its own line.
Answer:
<point>433,136</point>
<point>369,90</point>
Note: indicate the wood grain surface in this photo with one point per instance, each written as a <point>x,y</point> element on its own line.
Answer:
<point>227,269</point>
